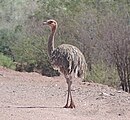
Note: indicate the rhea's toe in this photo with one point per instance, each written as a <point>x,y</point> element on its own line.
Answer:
<point>66,106</point>
<point>72,105</point>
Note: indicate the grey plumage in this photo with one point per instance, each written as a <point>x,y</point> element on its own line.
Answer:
<point>68,58</point>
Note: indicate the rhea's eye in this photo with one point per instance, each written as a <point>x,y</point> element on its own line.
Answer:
<point>50,22</point>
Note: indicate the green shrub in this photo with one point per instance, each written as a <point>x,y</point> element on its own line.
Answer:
<point>6,61</point>
<point>103,74</point>
<point>31,55</point>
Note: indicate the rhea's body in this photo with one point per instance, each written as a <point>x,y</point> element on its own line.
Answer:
<point>69,60</point>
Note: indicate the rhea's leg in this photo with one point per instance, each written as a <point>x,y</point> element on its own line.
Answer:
<point>67,80</point>
<point>72,105</point>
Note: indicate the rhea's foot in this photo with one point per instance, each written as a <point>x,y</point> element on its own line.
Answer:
<point>66,106</point>
<point>72,105</point>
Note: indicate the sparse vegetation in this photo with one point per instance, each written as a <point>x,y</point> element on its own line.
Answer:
<point>6,61</point>
<point>103,74</point>
<point>99,28</point>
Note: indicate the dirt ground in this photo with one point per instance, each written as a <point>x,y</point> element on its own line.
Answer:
<point>30,96</point>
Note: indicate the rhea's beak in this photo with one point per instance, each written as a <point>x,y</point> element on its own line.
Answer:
<point>45,23</point>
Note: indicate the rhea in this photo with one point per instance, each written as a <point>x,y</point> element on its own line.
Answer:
<point>68,58</point>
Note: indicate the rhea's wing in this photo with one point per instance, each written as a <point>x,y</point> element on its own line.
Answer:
<point>62,58</point>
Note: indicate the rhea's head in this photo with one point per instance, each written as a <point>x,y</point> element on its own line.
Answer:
<point>52,23</point>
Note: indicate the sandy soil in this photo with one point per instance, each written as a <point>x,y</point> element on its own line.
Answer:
<point>30,96</point>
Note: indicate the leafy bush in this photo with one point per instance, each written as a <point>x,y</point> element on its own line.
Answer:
<point>6,61</point>
<point>31,55</point>
<point>103,74</point>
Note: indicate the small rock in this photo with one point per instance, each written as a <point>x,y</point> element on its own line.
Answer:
<point>118,91</point>
<point>112,94</point>
<point>1,74</point>
<point>103,94</point>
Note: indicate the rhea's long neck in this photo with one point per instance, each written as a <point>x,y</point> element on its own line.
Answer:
<point>51,41</point>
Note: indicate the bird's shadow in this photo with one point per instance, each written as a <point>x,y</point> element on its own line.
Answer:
<point>36,107</point>
<point>31,107</point>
